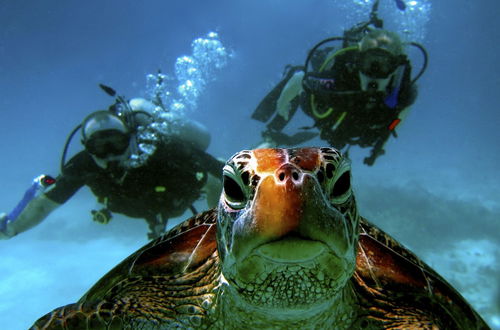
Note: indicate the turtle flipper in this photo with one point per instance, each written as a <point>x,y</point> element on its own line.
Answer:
<point>398,290</point>
<point>148,301</point>
<point>81,316</point>
<point>144,289</point>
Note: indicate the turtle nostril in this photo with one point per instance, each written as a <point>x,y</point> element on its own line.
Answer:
<point>288,173</point>
<point>281,176</point>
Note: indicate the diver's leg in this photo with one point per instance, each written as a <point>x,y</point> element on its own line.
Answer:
<point>334,138</point>
<point>378,150</point>
<point>157,226</point>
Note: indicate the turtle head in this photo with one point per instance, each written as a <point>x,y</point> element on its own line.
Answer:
<point>287,227</point>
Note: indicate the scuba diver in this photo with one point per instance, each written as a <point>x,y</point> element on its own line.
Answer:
<point>356,95</point>
<point>164,185</point>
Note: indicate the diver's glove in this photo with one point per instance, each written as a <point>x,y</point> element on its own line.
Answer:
<point>102,216</point>
<point>6,231</point>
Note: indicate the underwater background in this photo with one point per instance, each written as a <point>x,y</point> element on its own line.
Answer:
<point>437,188</point>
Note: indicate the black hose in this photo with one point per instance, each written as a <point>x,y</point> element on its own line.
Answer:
<point>108,90</point>
<point>311,52</point>
<point>66,146</point>
<point>426,59</point>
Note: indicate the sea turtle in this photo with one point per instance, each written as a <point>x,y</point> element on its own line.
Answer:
<point>286,249</point>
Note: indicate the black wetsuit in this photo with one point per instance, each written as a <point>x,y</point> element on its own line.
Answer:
<point>367,117</point>
<point>166,185</point>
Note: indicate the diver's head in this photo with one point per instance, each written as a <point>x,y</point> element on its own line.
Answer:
<point>381,53</point>
<point>106,137</point>
<point>382,39</point>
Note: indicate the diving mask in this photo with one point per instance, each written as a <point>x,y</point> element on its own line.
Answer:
<point>103,144</point>
<point>369,84</point>
<point>378,63</point>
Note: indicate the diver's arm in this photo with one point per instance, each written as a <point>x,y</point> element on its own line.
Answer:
<point>34,213</point>
<point>41,205</point>
<point>409,90</point>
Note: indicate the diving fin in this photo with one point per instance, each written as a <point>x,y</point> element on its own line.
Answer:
<point>267,107</point>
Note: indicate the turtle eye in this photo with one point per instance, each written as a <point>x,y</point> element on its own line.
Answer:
<point>235,192</point>
<point>342,185</point>
<point>340,190</point>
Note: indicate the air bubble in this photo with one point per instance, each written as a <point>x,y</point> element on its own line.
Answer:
<point>174,95</point>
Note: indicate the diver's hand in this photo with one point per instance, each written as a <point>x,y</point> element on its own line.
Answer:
<point>6,232</point>
<point>371,160</point>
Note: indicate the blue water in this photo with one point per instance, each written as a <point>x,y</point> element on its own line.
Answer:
<point>436,187</point>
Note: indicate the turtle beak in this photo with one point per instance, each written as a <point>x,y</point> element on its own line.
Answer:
<point>291,220</point>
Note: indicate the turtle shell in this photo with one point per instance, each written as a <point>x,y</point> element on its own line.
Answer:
<point>176,276</point>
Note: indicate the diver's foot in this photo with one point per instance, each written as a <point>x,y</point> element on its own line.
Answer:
<point>157,230</point>
<point>371,160</point>
<point>154,235</point>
